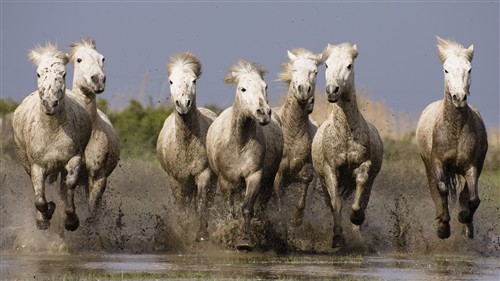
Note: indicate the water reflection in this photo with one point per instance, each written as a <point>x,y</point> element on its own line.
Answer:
<point>15,266</point>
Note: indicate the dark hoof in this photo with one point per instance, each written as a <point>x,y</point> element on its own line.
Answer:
<point>42,224</point>
<point>244,245</point>
<point>51,207</point>
<point>71,222</point>
<point>338,241</point>
<point>464,217</point>
<point>469,231</point>
<point>357,217</point>
<point>443,230</point>
<point>202,236</point>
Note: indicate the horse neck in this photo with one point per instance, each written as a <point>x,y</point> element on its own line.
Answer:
<point>350,107</point>
<point>294,116</point>
<point>242,126</point>
<point>454,117</point>
<point>187,125</point>
<point>89,99</point>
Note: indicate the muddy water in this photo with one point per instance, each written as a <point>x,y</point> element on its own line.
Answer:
<point>234,265</point>
<point>139,230</point>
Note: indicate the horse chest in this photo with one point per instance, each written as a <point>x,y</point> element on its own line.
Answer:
<point>344,148</point>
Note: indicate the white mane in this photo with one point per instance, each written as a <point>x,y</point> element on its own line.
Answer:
<point>300,53</point>
<point>243,67</point>
<point>351,49</point>
<point>447,48</point>
<point>185,60</point>
<point>49,50</point>
<point>84,43</point>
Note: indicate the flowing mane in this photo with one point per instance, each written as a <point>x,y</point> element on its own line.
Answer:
<point>243,67</point>
<point>185,60</point>
<point>446,48</point>
<point>85,43</point>
<point>286,68</point>
<point>348,47</point>
<point>49,50</point>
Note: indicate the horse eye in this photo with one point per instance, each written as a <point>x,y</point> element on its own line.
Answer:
<point>170,81</point>
<point>64,75</point>
<point>78,60</point>
<point>445,71</point>
<point>194,81</point>
<point>103,59</point>
<point>326,65</point>
<point>470,70</point>
<point>266,87</point>
<point>38,75</point>
<point>349,66</point>
<point>243,90</point>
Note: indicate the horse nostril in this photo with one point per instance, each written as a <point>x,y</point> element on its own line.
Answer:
<point>104,79</point>
<point>299,88</point>
<point>55,103</point>
<point>177,103</point>
<point>336,90</point>
<point>465,97</point>
<point>259,111</point>
<point>309,89</point>
<point>188,103</point>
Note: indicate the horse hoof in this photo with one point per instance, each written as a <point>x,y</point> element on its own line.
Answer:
<point>71,222</point>
<point>338,241</point>
<point>42,224</point>
<point>443,230</point>
<point>357,217</point>
<point>244,245</point>
<point>464,217</point>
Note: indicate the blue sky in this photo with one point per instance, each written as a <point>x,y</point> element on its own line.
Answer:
<point>397,61</point>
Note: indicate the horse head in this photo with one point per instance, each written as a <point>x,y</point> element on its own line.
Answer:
<point>51,74</point>
<point>183,71</point>
<point>339,70</point>
<point>89,66</point>
<point>251,90</point>
<point>457,68</point>
<point>300,73</point>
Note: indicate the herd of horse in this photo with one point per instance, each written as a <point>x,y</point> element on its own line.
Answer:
<point>250,149</point>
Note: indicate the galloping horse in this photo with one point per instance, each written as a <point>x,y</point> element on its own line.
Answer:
<point>347,150</point>
<point>245,144</point>
<point>452,140</point>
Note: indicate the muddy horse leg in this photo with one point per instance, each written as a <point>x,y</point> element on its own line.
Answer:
<point>253,183</point>
<point>443,184</point>
<point>469,201</point>
<point>332,189</point>
<point>44,210</point>
<point>204,183</point>
<point>97,185</point>
<point>362,193</point>
<point>306,176</point>
<point>69,180</point>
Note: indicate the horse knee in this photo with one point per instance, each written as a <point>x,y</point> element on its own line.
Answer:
<point>442,189</point>
<point>306,175</point>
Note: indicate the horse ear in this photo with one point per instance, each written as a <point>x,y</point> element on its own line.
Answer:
<point>355,54</point>
<point>319,59</point>
<point>34,57</point>
<point>326,52</point>
<point>471,50</point>
<point>291,56</point>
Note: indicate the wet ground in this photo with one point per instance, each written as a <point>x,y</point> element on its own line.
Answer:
<point>242,266</point>
<point>140,234</point>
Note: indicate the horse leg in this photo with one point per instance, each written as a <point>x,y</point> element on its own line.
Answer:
<point>278,183</point>
<point>362,193</point>
<point>330,183</point>
<point>69,180</point>
<point>97,185</point>
<point>203,183</point>
<point>469,201</point>
<point>443,229</point>
<point>306,175</point>
<point>44,210</point>
<point>253,183</point>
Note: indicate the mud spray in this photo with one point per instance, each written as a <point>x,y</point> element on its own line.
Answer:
<point>139,215</point>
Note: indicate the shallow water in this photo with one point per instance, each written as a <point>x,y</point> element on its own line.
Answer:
<point>15,266</point>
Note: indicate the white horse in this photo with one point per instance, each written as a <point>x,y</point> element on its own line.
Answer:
<point>347,150</point>
<point>245,144</point>
<point>452,140</point>
<point>51,131</point>
<point>103,150</point>
<point>182,141</point>
<point>300,74</point>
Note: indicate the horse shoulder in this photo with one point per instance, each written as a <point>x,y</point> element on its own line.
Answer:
<point>425,127</point>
